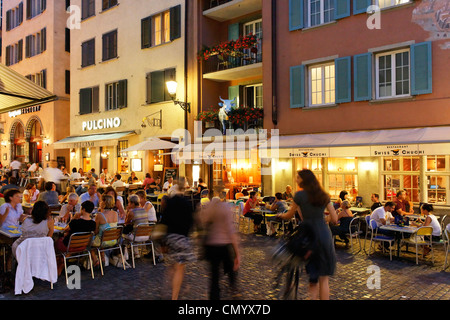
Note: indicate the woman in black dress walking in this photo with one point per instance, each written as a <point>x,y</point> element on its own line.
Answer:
<point>311,203</point>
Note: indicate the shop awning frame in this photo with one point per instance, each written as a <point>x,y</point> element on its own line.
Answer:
<point>151,144</point>
<point>364,143</point>
<point>93,140</point>
<point>18,92</point>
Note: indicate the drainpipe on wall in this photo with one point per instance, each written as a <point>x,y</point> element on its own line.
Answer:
<point>274,63</point>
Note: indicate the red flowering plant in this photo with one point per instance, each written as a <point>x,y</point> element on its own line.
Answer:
<point>244,115</point>
<point>208,116</point>
<point>233,47</point>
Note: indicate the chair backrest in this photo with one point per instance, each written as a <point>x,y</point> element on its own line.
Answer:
<point>239,195</point>
<point>204,192</point>
<point>111,234</point>
<point>373,224</point>
<point>120,189</point>
<point>143,230</point>
<point>161,195</point>
<point>445,221</point>
<point>79,241</point>
<point>354,225</point>
<point>424,231</point>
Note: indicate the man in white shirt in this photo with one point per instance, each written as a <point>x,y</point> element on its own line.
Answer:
<point>383,214</point>
<point>168,184</point>
<point>71,207</point>
<point>117,182</point>
<point>15,167</point>
<point>91,195</point>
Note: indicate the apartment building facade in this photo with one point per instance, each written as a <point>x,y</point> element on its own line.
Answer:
<point>360,96</point>
<point>122,55</point>
<point>35,44</point>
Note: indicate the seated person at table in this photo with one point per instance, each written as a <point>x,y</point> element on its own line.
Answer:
<point>382,215</point>
<point>91,180</point>
<point>63,198</point>
<point>117,183</point>
<point>135,216</point>
<point>118,206</point>
<point>278,206</point>
<point>75,175</point>
<point>155,185</point>
<point>375,197</point>
<point>69,209</point>
<point>11,212</point>
<point>168,184</point>
<point>91,195</point>
<point>251,204</point>
<point>12,184</point>
<point>132,178</point>
<point>147,205</point>
<point>101,180</point>
<point>400,205</point>
<point>201,186</point>
<point>83,223</point>
<point>50,196</point>
<point>30,194</point>
<point>409,206</point>
<point>287,195</point>
<point>147,181</point>
<point>430,221</point>
<point>107,217</point>
<point>345,216</point>
<point>38,225</point>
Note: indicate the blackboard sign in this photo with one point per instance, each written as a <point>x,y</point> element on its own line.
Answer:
<point>170,172</point>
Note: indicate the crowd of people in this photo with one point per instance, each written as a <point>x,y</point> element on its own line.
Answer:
<point>92,211</point>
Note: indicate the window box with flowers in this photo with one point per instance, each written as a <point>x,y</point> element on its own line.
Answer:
<point>246,118</point>
<point>209,118</point>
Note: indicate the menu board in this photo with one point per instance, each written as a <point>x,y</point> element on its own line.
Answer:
<point>170,172</point>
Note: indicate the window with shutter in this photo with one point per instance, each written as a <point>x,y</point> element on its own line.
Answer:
<point>116,95</point>
<point>109,45</point>
<point>88,53</point>
<point>87,9</point>
<point>106,4</point>
<point>86,101</point>
<point>175,22</point>
<point>156,85</point>
<point>297,86</point>
<point>146,32</point>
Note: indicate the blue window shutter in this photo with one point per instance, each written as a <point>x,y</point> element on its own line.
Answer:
<point>295,14</point>
<point>297,87</point>
<point>421,68</point>
<point>343,81</point>
<point>360,6</point>
<point>233,31</point>
<point>363,77</point>
<point>341,9</point>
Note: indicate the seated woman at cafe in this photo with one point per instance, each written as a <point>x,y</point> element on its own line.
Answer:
<point>118,202</point>
<point>345,216</point>
<point>83,223</point>
<point>64,198</point>
<point>430,221</point>
<point>38,225</point>
<point>107,217</point>
<point>135,215</point>
<point>132,178</point>
<point>147,205</point>
<point>251,204</point>
<point>147,181</point>
<point>30,194</point>
<point>201,186</point>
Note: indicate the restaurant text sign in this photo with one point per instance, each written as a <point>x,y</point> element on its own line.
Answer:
<point>397,150</point>
<point>101,124</point>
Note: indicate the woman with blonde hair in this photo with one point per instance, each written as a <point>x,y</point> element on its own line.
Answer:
<point>105,218</point>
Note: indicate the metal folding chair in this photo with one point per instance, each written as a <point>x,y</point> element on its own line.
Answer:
<point>414,240</point>
<point>79,246</point>
<point>110,240</point>
<point>142,236</point>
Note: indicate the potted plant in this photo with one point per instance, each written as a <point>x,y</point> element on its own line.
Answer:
<point>243,116</point>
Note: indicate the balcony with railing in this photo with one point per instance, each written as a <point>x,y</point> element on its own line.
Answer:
<point>223,10</point>
<point>233,60</point>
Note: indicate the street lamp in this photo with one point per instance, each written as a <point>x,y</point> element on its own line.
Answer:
<point>172,89</point>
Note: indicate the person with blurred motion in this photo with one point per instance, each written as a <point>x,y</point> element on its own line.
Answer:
<point>311,203</point>
<point>221,243</point>
<point>177,215</point>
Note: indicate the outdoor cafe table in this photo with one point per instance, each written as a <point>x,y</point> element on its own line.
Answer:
<point>399,230</point>
<point>265,212</point>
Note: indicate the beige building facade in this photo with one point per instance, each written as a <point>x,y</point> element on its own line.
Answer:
<point>122,55</point>
<point>35,44</point>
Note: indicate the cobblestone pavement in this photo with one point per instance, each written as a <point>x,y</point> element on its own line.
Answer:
<point>401,279</point>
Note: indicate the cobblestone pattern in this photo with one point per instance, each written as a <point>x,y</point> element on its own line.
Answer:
<point>401,279</point>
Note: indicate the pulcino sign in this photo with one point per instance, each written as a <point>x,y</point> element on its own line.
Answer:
<point>101,124</point>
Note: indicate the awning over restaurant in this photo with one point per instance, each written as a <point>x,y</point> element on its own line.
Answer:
<point>94,140</point>
<point>151,144</point>
<point>413,141</point>
<point>18,92</point>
